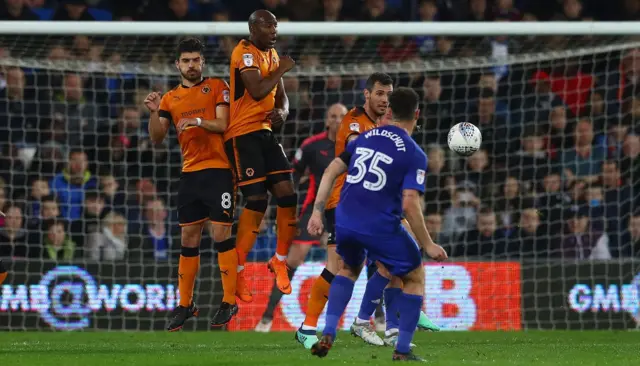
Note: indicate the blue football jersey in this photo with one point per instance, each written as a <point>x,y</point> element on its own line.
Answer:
<point>382,163</point>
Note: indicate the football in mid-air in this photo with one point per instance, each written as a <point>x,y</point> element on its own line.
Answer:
<point>464,138</point>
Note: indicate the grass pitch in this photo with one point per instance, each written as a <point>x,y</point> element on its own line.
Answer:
<point>222,348</point>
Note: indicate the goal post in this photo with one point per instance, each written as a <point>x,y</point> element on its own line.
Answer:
<point>510,215</point>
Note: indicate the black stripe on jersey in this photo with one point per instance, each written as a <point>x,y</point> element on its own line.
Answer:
<point>165,114</point>
<point>239,86</point>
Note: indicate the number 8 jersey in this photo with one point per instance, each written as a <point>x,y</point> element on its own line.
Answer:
<point>354,123</point>
<point>383,162</point>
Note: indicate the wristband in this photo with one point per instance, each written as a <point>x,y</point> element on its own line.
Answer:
<point>199,121</point>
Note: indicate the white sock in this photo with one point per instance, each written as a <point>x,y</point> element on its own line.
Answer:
<point>362,321</point>
<point>389,332</point>
<point>308,327</point>
<point>240,269</point>
<point>281,257</point>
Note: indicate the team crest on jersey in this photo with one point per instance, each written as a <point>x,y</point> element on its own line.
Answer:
<point>225,96</point>
<point>420,176</point>
<point>248,59</point>
<point>206,89</point>
<point>355,127</point>
<point>298,155</point>
<point>249,172</point>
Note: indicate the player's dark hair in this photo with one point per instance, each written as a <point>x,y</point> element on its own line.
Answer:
<point>403,103</point>
<point>190,44</point>
<point>486,93</point>
<point>378,77</point>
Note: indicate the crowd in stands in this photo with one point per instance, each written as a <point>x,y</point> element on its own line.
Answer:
<point>558,176</point>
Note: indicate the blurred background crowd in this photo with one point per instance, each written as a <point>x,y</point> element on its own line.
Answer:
<point>557,177</point>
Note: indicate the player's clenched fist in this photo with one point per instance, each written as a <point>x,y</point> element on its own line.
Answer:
<point>152,101</point>
<point>287,63</point>
<point>315,226</point>
<point>436,252</point>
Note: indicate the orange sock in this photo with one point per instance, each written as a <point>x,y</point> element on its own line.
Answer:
<point>287,228</point>
<point>248,230</point>
<point>318,299</point>
<point>228,263</point>
<point>3,276</point>
<point>187,271</point>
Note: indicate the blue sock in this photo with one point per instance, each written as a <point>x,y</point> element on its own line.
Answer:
<point>392,298</point>
<point>339,296</point>
<point>409,306</point>
<point>372,295</point>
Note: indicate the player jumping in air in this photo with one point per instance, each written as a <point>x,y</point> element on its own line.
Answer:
<point>314,155</point>
<point>385,180</point>
<point>258,102</point>
<point>357,121</point>
<point>199,109</point>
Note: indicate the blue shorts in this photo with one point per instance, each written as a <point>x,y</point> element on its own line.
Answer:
<point>398,251</point>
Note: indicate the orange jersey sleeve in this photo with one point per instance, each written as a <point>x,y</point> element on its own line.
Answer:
<point>354,123</point>
<point>201,149</point>
<point>246,114</point>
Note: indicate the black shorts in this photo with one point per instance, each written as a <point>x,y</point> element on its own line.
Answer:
<point>330,225</point>
<point>254,157</point>
<point>207,194</point>
<point>303,237</point>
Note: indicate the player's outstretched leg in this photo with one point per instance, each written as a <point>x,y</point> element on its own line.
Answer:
<point>188,268</point>
<point>228,263</point>
<point>339,296</point>
<point>3,273</point>
<point>306,334</point>
<point>296,257</point>
<point>286,228</point>
<point>248,229</point>
<point>361,326</point>
<point>409,306</point>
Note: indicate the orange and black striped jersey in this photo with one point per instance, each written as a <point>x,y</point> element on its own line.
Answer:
<point>354,123</point>
<point>201,149</point>
<point>247,115</point>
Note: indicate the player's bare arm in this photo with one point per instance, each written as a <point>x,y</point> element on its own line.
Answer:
<point>413,213</point>
<point>218,125</point>
<point>337,167</point>
<point>259,87</point>
<point>158,126</point>
<point>281,111</point>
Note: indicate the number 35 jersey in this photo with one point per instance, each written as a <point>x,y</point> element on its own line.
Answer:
<point>383,162</point>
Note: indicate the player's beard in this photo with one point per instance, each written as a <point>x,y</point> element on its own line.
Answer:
<point>192,77</point>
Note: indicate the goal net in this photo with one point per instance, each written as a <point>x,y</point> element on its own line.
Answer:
<point>540,224</point>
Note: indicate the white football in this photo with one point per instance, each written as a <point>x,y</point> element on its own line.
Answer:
<point>464,138</point>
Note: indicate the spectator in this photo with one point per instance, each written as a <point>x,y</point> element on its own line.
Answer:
<point>397,49</point>
<point>50,210</point>
<point>477,175</point>
<point>39,189</point>
<point>57,244</point>
<point>630,241</point>
<point>552,200</point>
<point>145,191</point>
<point>13,237</point>
<point>479,11</point>
<point>16,10</point>
<point>433,222</point>
<point>580,241</point>
<point>531,157</point>
<point>435,113</point>
<point>461,216</point>
<point>585,160</point>
<point>71,185</point>
<point>111,243</point>
<point>439,185</point>
<point>531,239</point>
<point>613,140</point>
<point>494,127</point>
<point>377,11</point>
<point>331,11</point>
<point>114,198</point>
<point>486,240</point>
<point>72,10</point>
<point>508,204</point>
<point>630,161</point>
<point>618,201</point>
<point>22,114</point>
<point>154,241</point>
<point>70,109</point>
<point>92,212</point>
